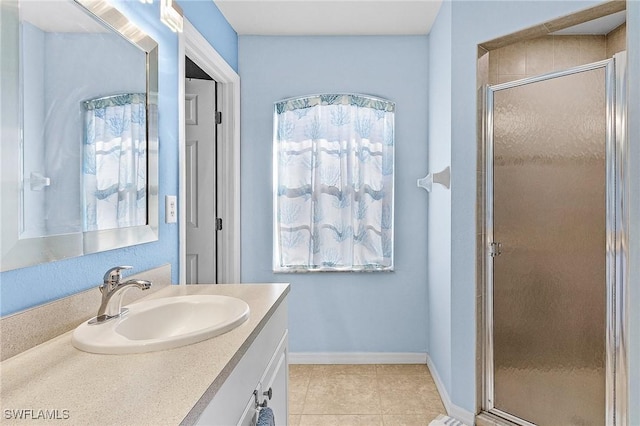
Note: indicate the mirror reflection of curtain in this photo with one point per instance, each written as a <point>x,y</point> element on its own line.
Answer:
<point>115,162</point>
<point>334,199</point>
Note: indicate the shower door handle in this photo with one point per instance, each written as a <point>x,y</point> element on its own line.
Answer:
<point>495,249</point>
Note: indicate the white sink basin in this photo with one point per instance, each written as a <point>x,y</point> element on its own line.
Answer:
<point>160,324</point>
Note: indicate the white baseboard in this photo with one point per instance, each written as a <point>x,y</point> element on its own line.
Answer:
<point>357,358</point>
<point>467,417</point>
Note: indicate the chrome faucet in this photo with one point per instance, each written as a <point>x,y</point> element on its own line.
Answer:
<point>113,288</point>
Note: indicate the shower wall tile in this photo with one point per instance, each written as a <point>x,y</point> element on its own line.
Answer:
<point>493,65</point>
<point>512,59</point>
<point>504,78</point>
<point>550,53</point>
<point>593,48</point>
<point>617,40</point>
<point>566,52</point>
<point>539,56</point>
<point>483,69</point>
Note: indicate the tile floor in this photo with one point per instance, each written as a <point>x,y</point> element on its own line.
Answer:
<point>353,395</point>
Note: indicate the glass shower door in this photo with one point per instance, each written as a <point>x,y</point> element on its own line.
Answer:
<point>548,153</point>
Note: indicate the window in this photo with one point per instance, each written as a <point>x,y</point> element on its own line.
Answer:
<point>333,183</point>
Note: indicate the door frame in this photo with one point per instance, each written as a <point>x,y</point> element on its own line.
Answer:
<point>617,197</point>
<point>192,44</point>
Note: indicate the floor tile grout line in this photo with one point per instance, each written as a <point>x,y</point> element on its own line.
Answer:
<point>379,394</point>
<point>306,392</point>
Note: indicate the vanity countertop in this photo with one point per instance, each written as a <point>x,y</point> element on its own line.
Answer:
<point>155,388</point>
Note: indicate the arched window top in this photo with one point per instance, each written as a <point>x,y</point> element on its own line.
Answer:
<point>308,101</point>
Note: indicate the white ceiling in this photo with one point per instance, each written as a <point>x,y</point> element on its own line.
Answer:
<point>600,26</point>
<point>59,17</point>
<point>330,17</point>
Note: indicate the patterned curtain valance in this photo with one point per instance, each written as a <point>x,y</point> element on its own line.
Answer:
<point>115,100</point>
<point>333,194</point>
<point>363,101</point>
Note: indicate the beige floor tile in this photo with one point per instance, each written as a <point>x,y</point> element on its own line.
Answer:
<point>300,370</point>
<point>294,420</point>
<point>408,394</point>
<point>433,412</point>
<point>340,420</point>
<point>408,369</point>
<point>344,369</point>
<point>374,394</point>
<point>298,385</point>
<point>406,420</point>
<point>431,384</point>
<point>344,394</point>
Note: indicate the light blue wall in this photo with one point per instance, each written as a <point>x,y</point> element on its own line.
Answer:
<point>340,312</point>
<point>439,230</point>
<point>26,287</point>
<point>473,22</point>
<point>209,21</point>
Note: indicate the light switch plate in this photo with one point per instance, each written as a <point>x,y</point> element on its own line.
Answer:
<point>171,209</point>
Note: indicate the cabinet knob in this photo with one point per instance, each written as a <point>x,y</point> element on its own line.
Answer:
<point>255,397</point>
<point>268,393</point>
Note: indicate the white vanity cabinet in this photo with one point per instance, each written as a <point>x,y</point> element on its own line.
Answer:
<point>262,371</point>
<point>210,382</point>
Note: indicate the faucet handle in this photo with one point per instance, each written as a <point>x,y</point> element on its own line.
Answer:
<point>112,276</point>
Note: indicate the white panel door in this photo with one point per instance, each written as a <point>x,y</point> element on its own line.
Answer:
<point>200,106</point>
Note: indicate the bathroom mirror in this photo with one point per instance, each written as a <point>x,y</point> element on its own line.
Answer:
<point>79,131</point>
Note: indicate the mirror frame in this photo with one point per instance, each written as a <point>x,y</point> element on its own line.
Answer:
<point>20,253</point>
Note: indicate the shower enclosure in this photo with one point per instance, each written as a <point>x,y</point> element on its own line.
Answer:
<point>554,256</point>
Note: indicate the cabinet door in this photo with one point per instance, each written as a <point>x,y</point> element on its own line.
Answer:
<point>275,383</point>
<point>248,417</point>
<point>260,368</point>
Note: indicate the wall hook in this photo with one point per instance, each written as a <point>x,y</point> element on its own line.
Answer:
<point>38,181</point>
<point>443,178</point>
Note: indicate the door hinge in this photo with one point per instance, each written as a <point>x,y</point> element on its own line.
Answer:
<point>218,117</point>
<point>218,224</point>
<point>495,249</point>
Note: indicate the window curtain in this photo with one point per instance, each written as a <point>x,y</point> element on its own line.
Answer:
<point>115,162</point>
<point>333,165</point>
